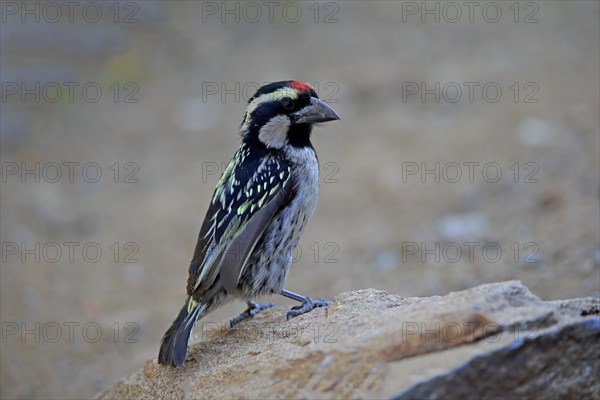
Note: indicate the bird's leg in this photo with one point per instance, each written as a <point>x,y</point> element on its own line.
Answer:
<point>307,303</point>
<point>251,311</point>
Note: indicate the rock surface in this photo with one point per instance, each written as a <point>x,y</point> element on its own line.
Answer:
<point>494,340</point>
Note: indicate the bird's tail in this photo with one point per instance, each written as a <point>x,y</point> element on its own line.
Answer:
<point>175,341</point>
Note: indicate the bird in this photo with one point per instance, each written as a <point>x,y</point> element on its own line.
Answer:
<point>266,195</point>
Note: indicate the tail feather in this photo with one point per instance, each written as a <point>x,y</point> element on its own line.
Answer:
<point>174,344</point>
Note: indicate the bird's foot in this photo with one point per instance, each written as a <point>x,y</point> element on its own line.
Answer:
<point>251,311</point>
<point>307,305</point>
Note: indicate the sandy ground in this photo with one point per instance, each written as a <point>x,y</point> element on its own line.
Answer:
<point>467,152</point>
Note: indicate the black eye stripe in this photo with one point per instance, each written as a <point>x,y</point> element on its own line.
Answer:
<point>266,108</point>
<point>272,108</point>
<point>287,103</point>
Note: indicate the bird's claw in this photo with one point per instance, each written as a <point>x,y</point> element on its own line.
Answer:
<point>251,311</point>
<point>307,306</point>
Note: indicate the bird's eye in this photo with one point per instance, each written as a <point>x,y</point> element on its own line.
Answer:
<point>287,103</point>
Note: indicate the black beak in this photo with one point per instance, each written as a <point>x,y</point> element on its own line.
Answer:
<point>317,111</point>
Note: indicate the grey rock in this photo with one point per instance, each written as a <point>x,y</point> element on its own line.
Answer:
<point>492,341</point>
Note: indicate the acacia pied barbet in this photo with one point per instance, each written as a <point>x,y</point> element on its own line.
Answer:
<point>259,209</point>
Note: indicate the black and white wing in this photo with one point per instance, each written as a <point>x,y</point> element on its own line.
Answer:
<point>255,185</point>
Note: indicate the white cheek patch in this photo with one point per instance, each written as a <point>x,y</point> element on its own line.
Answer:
<point>274,133</point>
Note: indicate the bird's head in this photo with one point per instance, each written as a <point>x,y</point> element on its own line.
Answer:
<point>282,114</point>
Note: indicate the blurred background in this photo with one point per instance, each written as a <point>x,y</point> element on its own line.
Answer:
<point>467,152</point>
